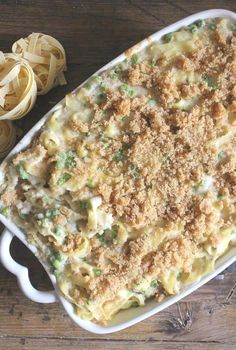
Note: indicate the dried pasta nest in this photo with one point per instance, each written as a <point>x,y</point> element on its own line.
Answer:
<point>47,58</point>
<point>7,137</point>
<point>18,88</point>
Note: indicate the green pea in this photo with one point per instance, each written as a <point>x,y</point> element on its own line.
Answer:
<point>155,283</point>
<point>101,98</point>
<point>119,156</point>
<point>134,59</point>
<point>127,89</point>
<point>212,26</point>
<point>58,230</point>
<point>210,81</point>
<point>90,183</point>
<point>199,23</point>
<point>192,28</point>
<point>5,211</point>
<point>108,236</point>
<point>23,174</point>
<point>84,204</point>
<point>168,37</point>
<point>97,272</point>
<point>219,196</point>
<point>51,213</point>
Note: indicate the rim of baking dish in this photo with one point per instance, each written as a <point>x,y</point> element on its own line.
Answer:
<point>128,317</point>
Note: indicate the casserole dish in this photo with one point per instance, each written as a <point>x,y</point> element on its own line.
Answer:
<point>128,317</point>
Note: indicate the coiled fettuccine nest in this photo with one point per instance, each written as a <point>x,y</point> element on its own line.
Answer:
<point>7,137</point>
<point>18,88</point>
<point>47,58</point>
<point>35,66</point>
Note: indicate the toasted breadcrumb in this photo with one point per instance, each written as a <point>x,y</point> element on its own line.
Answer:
<point>160,154</point>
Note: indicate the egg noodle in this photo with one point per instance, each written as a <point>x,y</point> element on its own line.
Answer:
<point>35,67</point>
<point>7,137</point>
<point>47,58</point>
<point>129,189</point>
<point>18,88</point>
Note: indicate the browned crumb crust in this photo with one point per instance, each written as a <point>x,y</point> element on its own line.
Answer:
<point>165,154</point>
<point>168,152</point>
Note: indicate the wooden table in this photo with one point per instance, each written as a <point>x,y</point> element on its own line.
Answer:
<point>93,33</point>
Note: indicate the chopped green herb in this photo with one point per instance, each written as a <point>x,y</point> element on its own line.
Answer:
<point>23,216</point>
<point>58,230</point>
<point>84,205</point>
<point>118,68</point>
<point>60,164</point>
<point>199,23</point>
<point>119,156</point>
<point>134,171</point>
<point>88,85</point>
<point>66,160</point>
<point>167,38</point>
<point>5,211</point>
<point>23,174</point>
<point>127,145</point>
<point>86,134</point>
<point>166,158</point>
<point>124,119</point>
<point>219,196</point>
<point>153,62</point>
<point>63,179</point>
<point>134,59</point>
<point>155,283</point>
<point>210,81</point>
<point>97,271</point>
<point>180,275</point>
<point>43,222</point>
<point>89,299</point>
<point>233,28</point>
<point>98,79</point>
<point>113,74</point>
<point>220,156</point>
<point>130,133</point>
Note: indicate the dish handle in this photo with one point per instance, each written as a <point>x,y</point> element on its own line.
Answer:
<point>21,272</point>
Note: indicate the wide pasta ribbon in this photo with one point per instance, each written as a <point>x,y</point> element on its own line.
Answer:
<point>18,88</point>
<point>35,67</point>
<point>7,137</point>
<point>47,58</point>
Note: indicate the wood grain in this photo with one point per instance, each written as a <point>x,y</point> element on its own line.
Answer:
<point>93,33</point>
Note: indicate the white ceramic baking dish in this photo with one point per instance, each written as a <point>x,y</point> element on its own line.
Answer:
<point>125,318</point>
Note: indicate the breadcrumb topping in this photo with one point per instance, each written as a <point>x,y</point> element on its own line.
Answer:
<point>158,149</point>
